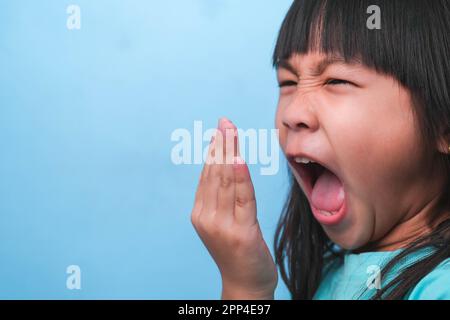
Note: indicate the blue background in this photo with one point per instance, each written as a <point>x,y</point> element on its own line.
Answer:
<point>86,117</point>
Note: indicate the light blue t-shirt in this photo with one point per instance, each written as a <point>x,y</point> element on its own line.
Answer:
<point>356,276</point>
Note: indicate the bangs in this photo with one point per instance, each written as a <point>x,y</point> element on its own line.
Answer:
<point>340,28</point>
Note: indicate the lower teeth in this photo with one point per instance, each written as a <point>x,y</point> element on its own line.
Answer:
<point>327,213</point>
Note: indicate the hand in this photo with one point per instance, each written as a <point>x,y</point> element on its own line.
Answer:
<point>224,216</point>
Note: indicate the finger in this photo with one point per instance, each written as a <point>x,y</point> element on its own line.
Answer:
<point>205,170</point>
<point>226,193</point>
<point>202,184</point>
<point>210,157</point>
<point>236,153</point>
<point>211,189</point>
<point>230,132</point>
<point>245,201</point>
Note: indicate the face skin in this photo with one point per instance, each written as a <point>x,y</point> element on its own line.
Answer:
<point>365,131</point>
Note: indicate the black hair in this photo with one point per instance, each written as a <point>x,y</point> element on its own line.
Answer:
<point>412,46</point>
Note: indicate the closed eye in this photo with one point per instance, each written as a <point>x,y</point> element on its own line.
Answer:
<point>335,82</point>
<point>288,83</point>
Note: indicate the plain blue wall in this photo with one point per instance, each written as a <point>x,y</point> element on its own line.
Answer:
<point>85,122</point>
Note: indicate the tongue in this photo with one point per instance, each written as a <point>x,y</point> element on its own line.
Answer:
<point>328,193</point>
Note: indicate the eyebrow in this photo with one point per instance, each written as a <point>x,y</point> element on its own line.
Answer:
<point>321,66</point>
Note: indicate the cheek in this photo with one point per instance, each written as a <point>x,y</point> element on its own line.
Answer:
<point>375,144</point>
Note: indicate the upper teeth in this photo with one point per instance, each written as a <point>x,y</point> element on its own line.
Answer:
<point>303,160</point>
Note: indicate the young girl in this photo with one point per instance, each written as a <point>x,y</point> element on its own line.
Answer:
<point>364,123</point>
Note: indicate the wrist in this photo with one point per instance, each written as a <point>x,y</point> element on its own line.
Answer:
<point>230,293</point>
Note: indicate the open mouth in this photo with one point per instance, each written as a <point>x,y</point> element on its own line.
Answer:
<point>314,170</point>
<point>324,190</point>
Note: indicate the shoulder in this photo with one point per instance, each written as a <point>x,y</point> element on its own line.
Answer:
<point>435,285</point>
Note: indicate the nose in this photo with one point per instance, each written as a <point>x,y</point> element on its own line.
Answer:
<point>299,113</point>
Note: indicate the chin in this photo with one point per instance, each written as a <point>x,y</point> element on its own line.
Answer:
<point>349,237</point>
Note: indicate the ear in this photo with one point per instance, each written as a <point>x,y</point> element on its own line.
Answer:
<point>444,144</point>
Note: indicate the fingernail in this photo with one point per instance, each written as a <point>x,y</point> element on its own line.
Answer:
<point>222,121</point>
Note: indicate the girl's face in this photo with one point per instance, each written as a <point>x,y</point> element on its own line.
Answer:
<point>360,125</point>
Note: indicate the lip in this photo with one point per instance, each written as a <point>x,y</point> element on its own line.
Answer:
<point>330,166</point>
<point>306,178</point>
